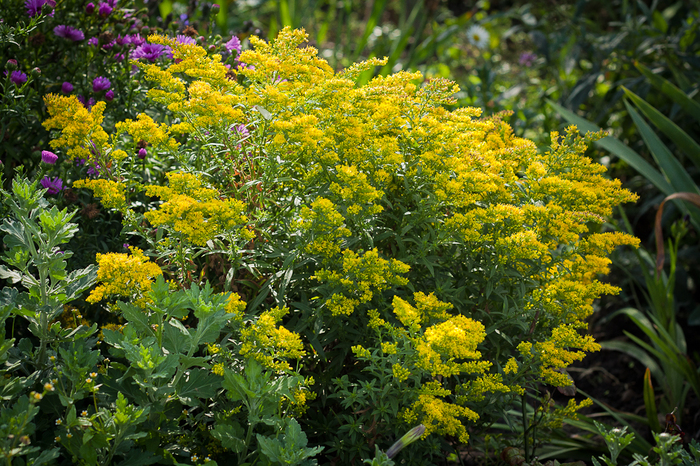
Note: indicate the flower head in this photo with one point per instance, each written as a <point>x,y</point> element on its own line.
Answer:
<point>234,44</point>
<point>11,64</point>
<point>94,41</point>
<point>142,153</point>
<point>66,87</point>
<point>90,8</point>
<point>149,51</point>
<point>104,9</point>
<point>34,6</point>
<point>527,58</point>
<point>18,77</point>
<point>109,95</point>
<point>478,36</point>
<point>69,32</point>
<point>183,39</point>
<point>48,157</point>
<point>100,83</point>
<point>54,186</point>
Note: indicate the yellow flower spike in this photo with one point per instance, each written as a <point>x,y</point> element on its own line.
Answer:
<point>112,193</point>
<point>124,275</point>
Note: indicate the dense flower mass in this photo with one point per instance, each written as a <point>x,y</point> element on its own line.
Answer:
<point>69,32</point>
<point>431,248</point>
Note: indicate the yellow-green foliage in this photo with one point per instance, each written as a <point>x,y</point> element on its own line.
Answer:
<point>464,256</point>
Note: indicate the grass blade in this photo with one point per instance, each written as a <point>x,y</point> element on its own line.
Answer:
<point>684,142</point>
<point>690,106</point>
<point>650,403</point>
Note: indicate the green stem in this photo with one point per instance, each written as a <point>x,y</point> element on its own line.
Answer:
<point>523,408</point>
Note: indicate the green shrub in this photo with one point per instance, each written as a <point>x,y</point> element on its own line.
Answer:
<point>353,260</point>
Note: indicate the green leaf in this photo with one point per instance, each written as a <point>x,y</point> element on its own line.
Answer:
<point>230,435</point>
<point>650,403</point>
<point>617,148</point>
<point>684,142</point>
<point>687,104</point>
<point>196,384</point>
<point>45,457</point>
<point>670,166</point>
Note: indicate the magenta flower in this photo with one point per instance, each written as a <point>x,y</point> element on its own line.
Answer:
<point>69,32</point>
<point>34,6</point>
<point>233,44</point>
<point>183,39</point>
<point>54,186</point>
<point>142,153</point>
<point>94,41</point>
<point>86,103</point>
<point>17,77</point>
<point>527,58</point>
<point>66,87</point>
<point>109,95</point>
<point>11,64</point>
<point>104,9</point>
<point>90,8</point>
<point>48,157</point>
<point>100,83</point>
<point>136,39</point>
<point>149,51</point>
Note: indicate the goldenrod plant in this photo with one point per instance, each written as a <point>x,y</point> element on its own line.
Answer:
<point>328,263</point>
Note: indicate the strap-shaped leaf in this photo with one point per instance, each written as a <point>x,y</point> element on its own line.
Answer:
<point>684,142</point>
<point>690,106</point>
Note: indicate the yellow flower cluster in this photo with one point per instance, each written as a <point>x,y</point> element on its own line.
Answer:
<point>271,345</point>
<point>145,129</point>
<point>124,275</point>
<point>361,277</point>
<point>110,192</point>
<point>195,211</point>
<point>80,128</point>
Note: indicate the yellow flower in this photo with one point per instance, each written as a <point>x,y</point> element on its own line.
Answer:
<point>123,275</point>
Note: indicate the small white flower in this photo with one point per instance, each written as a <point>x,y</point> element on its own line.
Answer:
<point>478,36</point>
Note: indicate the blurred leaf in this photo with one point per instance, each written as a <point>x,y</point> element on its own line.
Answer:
<point>668,127</point>
<point>690,106</point>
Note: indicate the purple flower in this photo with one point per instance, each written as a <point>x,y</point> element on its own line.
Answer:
<point>86,103</point>
<point>104,9</point>
<point>136,39</point>
<point>90,8</point>
<point>112,3</point>
<point>233,44</point>
<point>48,157</point>
<point>527,58</point>
<point>183,18</point>
<point>185,39</point>
<point>66,87</point>
<point>100,83</point>
<point>125,245</point>
<point>109,95</point>
<point>34,6</point>
<point>54,186</point>
<point>17,77</point>
<point>142,153</point>
<point>94,41</point>
<point>149,51</point>
<point>69,32</point>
